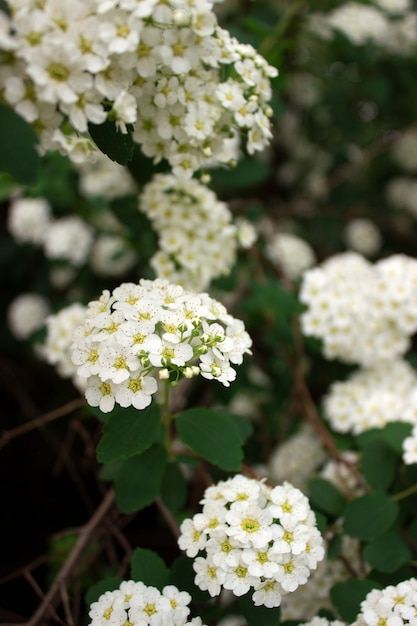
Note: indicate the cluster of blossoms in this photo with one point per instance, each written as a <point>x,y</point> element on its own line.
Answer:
<point>59,331</point>
<point>105,178</point>
<point>137,604</point>
<point>372,397</point>
<point>291,254</point>
<point>402,194</point>
<point>404,151</point>
<point>390,24</point>
<point>363,312</point>
<point>297,458</point>
<point>68,64</point>
<point>70,238</point>
<point>363,236</point>
<point>394,605</point>
<point>198,239</point>
<point>153,328</point>
<point>26,314</point>
<point>254,537</point>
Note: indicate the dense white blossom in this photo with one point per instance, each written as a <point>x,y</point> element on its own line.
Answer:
<point>402,194</point>
<point>197,236</point>
<point>105,178</point>
<point>26,314</point>
<point>394,604</point>
<point>404,151</point>
<point>137,604</point>
<point>111,255</point>
<point>363,236</point>
<point>360,23</point>
<point>164,70</point>
<point>291,254</point>
<point>297,458</point>
<point>371,397</point>
<point>364,313</point>
<point>252,537</point>
<point>59,331</point>
<point>69,238</point>
<point>153,330</point>
<point>29,219</point>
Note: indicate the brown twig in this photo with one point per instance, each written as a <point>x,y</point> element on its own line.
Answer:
<point>40,421</point>
<point>169,518</point>
<point>50,599</point>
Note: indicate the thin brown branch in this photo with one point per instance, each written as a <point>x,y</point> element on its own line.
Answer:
<point>50,600</point>
<point>169,518</point>
<point>40,421</point>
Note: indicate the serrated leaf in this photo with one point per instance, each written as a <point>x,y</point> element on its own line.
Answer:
<point>348,595</point>
<point>18,156</point>
<point>174,487</point>
<point>213,435</point>
<point>370,516</point>
<point>256,615</point>
<point>117,145</point>
<point>107,584</point>
<point>138,482</point>
<point>378,463</point>
<point>326,497</point>
<point>128,433</point>
<point>148,567</point>
<point>387,553</point>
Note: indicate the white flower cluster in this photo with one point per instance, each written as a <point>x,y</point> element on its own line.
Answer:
<point>59,331</point>
<point>308,600</point>
<point>402,193</point>
<point>363,236</point>
<point>391,24</point>
<point>105,178</point>
<point>254,537</point>
<point>291,253</point>
<point>165,67</point>
<point>197,237</point>
<point>323,621</point>
<point>137,604</point>
<point>69,238</point>
<point>394,605</point>
<point>154,328</point>
<point>371,398</point>
<point>296,459</point>
<point>26,314</point>
<point>363,312</point>
<point>404,151</point>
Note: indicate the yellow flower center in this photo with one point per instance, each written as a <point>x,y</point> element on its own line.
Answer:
<point>241,571</point>
<point>135,385</point>
<point>250,525</point>
<point>150,609</point>
<point>58,72</point>
<point>107,613</point>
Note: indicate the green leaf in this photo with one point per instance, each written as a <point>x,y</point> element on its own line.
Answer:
<point>335,547</point>
<point>370,516</point>
<point>326,497</point>
<point>183,575</point>
<point>388,552</point>
<point>148,567</point>
<point>256,615</point>
<point>138,482</point>
<point>128,433</point>
<point>174,487</point>
<point>244,425</point>
<point>249,172</point>
<point>117,145</point>
<point>107,584</point>
<point>7,184</point>
<point>395,433</point>
<point>378,463</point>
<point>347,596</point>
<point>18,156</point>
<point>212,435</point>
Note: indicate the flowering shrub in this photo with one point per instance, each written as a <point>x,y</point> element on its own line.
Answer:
<point>176,215</point>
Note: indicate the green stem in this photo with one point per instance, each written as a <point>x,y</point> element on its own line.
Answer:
<point>404,494</point>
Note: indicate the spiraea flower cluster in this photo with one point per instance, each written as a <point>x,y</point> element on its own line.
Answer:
<point>59,330</point>
<point>68,64</point>
<point>153,330</point>
<point>363,312</point>
<point>26,314</point>
<point>371,397</point>
<point>291,254</point>
<point>198,239</point>
<point>391,605</point>
<point>137,604</point>
<point>253,537</point>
